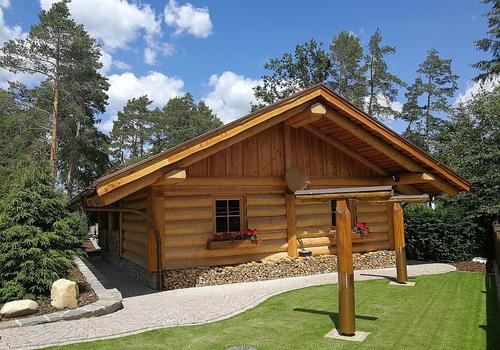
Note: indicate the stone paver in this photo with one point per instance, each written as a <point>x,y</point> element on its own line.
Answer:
<point>181,307</point>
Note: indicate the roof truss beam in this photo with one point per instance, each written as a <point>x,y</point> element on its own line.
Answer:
<point>381,146</point>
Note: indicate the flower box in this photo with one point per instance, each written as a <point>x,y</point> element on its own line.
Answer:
<point>232,240</point>
<point>213,245</point>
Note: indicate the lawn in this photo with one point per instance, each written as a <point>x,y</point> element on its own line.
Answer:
<point>457,310</point>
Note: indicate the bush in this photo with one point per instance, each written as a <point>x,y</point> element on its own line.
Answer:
<point>39,238</point>
<point>446,233</point>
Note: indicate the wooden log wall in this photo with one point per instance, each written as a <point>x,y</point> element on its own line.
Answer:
<point>379,223</point>
<point>254,170</point>
<point>314,226</point>
<point>133,228</point>
<point>189,225</point>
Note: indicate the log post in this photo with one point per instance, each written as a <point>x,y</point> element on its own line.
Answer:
<point>291,218</point>
<point>156,211</point>
<point>291,226</point>
<point>345,269</point>
<point>399,243</point>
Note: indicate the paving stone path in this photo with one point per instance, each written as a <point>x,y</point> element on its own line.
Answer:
<point>181,307</point>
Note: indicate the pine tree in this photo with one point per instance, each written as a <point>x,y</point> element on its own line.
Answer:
<point>130,133</point>
<point>382,85</point>
<point>348,75</point>
<point>491,44</point>
<point>309,64</point>
<point>430,93</point>
<point>181,120</point>
<point>62,52</point>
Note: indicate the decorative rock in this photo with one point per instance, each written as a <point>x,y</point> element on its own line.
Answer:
<point>64,294</point>
<point>19,308</point>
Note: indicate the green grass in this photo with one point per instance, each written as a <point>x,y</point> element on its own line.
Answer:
<point>456,310</point>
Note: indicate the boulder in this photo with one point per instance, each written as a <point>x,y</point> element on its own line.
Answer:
<point>64,294</point>
<point>19,308</point>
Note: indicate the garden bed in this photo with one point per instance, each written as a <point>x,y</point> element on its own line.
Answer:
<point>470,266</point>
<point>86,296</point>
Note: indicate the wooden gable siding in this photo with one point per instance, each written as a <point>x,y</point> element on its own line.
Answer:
<point>259,155</point>
<point>263,155</point>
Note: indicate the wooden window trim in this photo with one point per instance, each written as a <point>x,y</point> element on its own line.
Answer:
<point>229,198</point>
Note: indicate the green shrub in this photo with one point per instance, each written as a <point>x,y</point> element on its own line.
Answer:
<point>39,238</point>
<point>446,233</point>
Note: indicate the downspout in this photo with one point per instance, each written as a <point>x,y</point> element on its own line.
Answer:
<point>150,222</point>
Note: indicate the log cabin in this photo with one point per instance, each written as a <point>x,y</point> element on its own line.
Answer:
<point>291,171</point>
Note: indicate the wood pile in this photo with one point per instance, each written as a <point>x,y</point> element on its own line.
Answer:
<point>260,271</point>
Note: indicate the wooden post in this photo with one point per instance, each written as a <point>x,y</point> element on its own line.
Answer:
<point>291,218</point>
<point>291,227</point>
<point>156,211</point>
<point>345,269</point>
<point>399,243</point>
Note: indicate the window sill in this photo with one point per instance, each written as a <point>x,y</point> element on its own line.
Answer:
<point>236,244</point>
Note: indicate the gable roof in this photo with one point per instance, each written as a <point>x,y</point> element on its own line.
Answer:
<point>375,134</point>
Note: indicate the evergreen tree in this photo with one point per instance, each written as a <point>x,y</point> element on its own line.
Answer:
<point>428,96</point>
<point>491,44</point>
<point>293,72</point>
<point>181,120</point>
<point>39,238</point>
<point>68,58</point>
<point>348,75</point>
<point>382,85</point>
<point>22,135</point>
<point>130,133</point>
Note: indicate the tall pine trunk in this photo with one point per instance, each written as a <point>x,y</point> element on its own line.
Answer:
<point>55,118</point>
<point>72,160</point>
<point>53,132</point>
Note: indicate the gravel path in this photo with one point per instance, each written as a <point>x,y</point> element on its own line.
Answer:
<point>181,307</point>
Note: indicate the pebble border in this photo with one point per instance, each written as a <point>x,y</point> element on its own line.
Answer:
<point>109,301</point>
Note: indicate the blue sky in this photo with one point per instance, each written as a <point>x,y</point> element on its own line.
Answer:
<point>216,49</point>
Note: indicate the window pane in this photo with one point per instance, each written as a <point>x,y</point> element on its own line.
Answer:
<point>221,224</point>
<point>334,212</point>
<point>234,223</point>
<point>234,207</point>
<point>221,208</point>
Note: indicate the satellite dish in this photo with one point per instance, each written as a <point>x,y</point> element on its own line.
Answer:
<point>296,179</point>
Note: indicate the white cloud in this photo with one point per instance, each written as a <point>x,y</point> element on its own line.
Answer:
<point>188,19</point>
<point>157,86</point>
<point>121,65</point>
<point>473,88</point>
<point>115,22</point>
<point>231,95</point>
<point>150,56</point>
<point>27,79</point>
<point>6,32</point>
<point>107,62</point>
<point>4,3</point>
